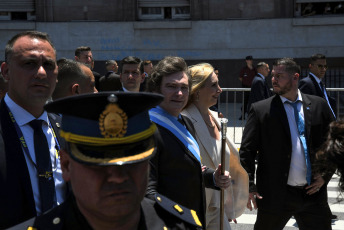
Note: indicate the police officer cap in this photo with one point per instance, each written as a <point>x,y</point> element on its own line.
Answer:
<point>108,128</point>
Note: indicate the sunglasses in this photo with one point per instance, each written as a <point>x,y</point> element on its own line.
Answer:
<point>322,66</point>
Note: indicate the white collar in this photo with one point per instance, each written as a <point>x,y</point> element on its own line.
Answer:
<point>299,97</point>
<point>22,116</point>
<point>315,77</point>
<point>261,75</point>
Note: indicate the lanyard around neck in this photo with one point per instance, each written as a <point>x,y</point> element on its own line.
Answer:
<point>24,144</point>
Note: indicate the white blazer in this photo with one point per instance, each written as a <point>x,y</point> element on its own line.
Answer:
<point>236,196</point>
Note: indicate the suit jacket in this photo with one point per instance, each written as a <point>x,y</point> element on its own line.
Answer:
<point>143,85</point>
<point>97,76</point>
<point>154,216</point>
<point>110,82</point>
<point>177,174</point>
<point>237,193</point>
<point>267,135</point>
<point>16,197</point>
<point>259,91</point>
<point>310,86</point>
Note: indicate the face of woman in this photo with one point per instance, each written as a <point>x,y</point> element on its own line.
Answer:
<point>210,92</point>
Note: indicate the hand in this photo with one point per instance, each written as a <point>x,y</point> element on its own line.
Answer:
<point>222,181</point>
<point>220,115</point>
<point>204,168</point>
<point>316,185</point>
<point>252,199</point>
<point>234,220</point>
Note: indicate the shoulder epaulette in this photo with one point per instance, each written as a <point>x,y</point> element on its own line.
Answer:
<point>25,225</point>
<point>183,213</point>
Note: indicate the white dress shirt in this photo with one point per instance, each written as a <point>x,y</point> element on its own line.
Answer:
<point>298,168</point>
<point>23,118</point>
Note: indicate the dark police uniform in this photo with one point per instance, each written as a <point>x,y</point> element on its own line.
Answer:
<point>111,129</point>
<point>162,214</point>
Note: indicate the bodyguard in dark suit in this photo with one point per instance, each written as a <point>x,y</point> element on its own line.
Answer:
<point>107,166</point>
<point>30,174</point>
<point>176,170</point>
<point>110,81</point>
<point>313,85</point>
<point>286,139</point>
<point>259,89</point>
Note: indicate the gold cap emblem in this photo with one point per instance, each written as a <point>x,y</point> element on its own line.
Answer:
<point>113,120</point>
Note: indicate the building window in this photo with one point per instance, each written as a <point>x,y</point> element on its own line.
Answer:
<point>308,8</point>
<point>5,16</point>
<point>160,10</point>
<point>18,15</point>
<point>17,10</point>
<point>182,12</point>
<point>151,10</point>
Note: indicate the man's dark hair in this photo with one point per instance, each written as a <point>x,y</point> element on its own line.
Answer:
<point>147,62</point>
<point>81,49</point>
<point>31,34</point>
<point>131,60</point>
<point>143,64</point>
<point>330,156</point>
<point>69,72</point>
<point>316,57</point>
<point>291,66</point>
<point>167,66</point>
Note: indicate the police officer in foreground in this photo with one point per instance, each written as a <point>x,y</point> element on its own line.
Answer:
<point>109,141</point>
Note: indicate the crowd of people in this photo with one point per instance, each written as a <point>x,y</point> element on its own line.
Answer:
<point>139,148</point>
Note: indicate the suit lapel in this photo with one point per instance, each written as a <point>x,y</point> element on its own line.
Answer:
<point>55,121</point>
<point>278,108</point>
<point>318,90</point>
<point>15,165</point>
<point>307,113</point>
<point>200,127</point>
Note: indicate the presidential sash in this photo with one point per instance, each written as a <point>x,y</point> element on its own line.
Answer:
<point>161,117</point>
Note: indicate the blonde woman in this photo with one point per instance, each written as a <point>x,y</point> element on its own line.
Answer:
<point>204,93</point>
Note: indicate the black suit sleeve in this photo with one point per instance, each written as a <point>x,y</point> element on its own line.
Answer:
<point>258,91</point>
<point>306,88</point>
<point>208,178</point>
<point>152,187</point>
<point>249,146</point>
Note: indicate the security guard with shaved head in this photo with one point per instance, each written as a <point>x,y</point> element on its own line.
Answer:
<point>109,141</point>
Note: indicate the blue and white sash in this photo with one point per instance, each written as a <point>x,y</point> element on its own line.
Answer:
<point>161,117</point>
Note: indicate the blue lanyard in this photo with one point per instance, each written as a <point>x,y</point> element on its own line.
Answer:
<point>26,149</point>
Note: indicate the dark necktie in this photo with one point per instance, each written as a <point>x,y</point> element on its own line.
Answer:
<point>301,128</point>
<point>43,166</point>
<point>322,87</point>
<point>180,120</point>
